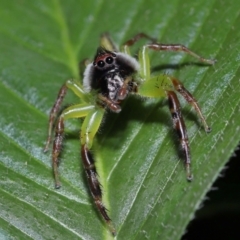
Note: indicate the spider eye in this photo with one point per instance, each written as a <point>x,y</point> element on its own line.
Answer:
<point>101,64</point>
<point>109,60</point>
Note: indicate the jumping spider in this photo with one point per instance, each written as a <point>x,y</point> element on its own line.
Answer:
<point>107,81</point>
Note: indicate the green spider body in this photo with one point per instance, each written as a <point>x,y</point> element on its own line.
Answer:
<point>107,81</point>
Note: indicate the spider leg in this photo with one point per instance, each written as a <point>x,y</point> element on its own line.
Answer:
<point>165,86</point>
<point>77,89</point>
<point>107,43</point>
<point>134,39</point>
<point>156,86</point>
<point>178,48</point>
<point>93,118</point>
<point>163,47</point>
<point>75,111</point>
<point>104,101</point>
<point>53,114</point>
<point>191,100</point>
<point>123,91</point>
<point>94,185</point>
<point>89,128</point>
<point>179,126</point>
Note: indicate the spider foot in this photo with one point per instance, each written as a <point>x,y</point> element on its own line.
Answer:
<point>209,61</point>
<point>111,228</point>
<point>188,172</point>
<point>208,129</point>
<point>190,178</point>
<point>57,185</point>
<point>45,149</point>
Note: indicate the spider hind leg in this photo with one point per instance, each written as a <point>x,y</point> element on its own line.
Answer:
<point>179,126</point>
<point>191,100</point>
<point>167,86</point>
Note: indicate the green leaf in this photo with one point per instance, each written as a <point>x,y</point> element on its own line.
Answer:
<point>144,185</point>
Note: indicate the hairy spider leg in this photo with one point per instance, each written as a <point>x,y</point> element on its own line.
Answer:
<point>179,126</point>
<point>164,47</point>
<point>77,89</point>
<point>161,86</point>
<point>123,91</point>
<point>53,114</point>
<point>168,82</point>
<point>133,40</point>
<point>89,129</point>
<point>179,48</point>
<point>191,100</point>
<point>93,118</point>
<point>104,101</point>
<point>74,111</point>
<point>164,86</point>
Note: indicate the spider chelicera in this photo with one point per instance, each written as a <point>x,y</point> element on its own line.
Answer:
<point>107,81</point>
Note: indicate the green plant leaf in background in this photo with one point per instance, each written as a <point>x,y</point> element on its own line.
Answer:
<point>144,185</point>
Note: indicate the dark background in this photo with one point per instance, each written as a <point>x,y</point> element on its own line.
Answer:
<point>219,218</point>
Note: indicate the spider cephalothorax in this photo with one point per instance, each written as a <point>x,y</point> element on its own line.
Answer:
<point>109,79</point>
<point>108,72</point>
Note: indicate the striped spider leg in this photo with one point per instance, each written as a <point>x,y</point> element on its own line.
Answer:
<point>93,115</point>
<point>166,86</point>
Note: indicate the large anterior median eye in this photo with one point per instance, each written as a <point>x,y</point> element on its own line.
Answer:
<point>109,60</point>
<point>100,63</point>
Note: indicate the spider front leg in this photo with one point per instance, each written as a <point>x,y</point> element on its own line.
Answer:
<point>163,47</point>
<point>178,48</point>
<point>89,128</point>
<point>75,111</point>
<point>134,39</point>
<point>93,117</point>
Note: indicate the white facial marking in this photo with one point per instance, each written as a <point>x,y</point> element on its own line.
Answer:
<point>87,77</point>
<point>131,61</point>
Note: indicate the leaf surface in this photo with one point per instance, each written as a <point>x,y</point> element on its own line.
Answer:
<point>136,151</point>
